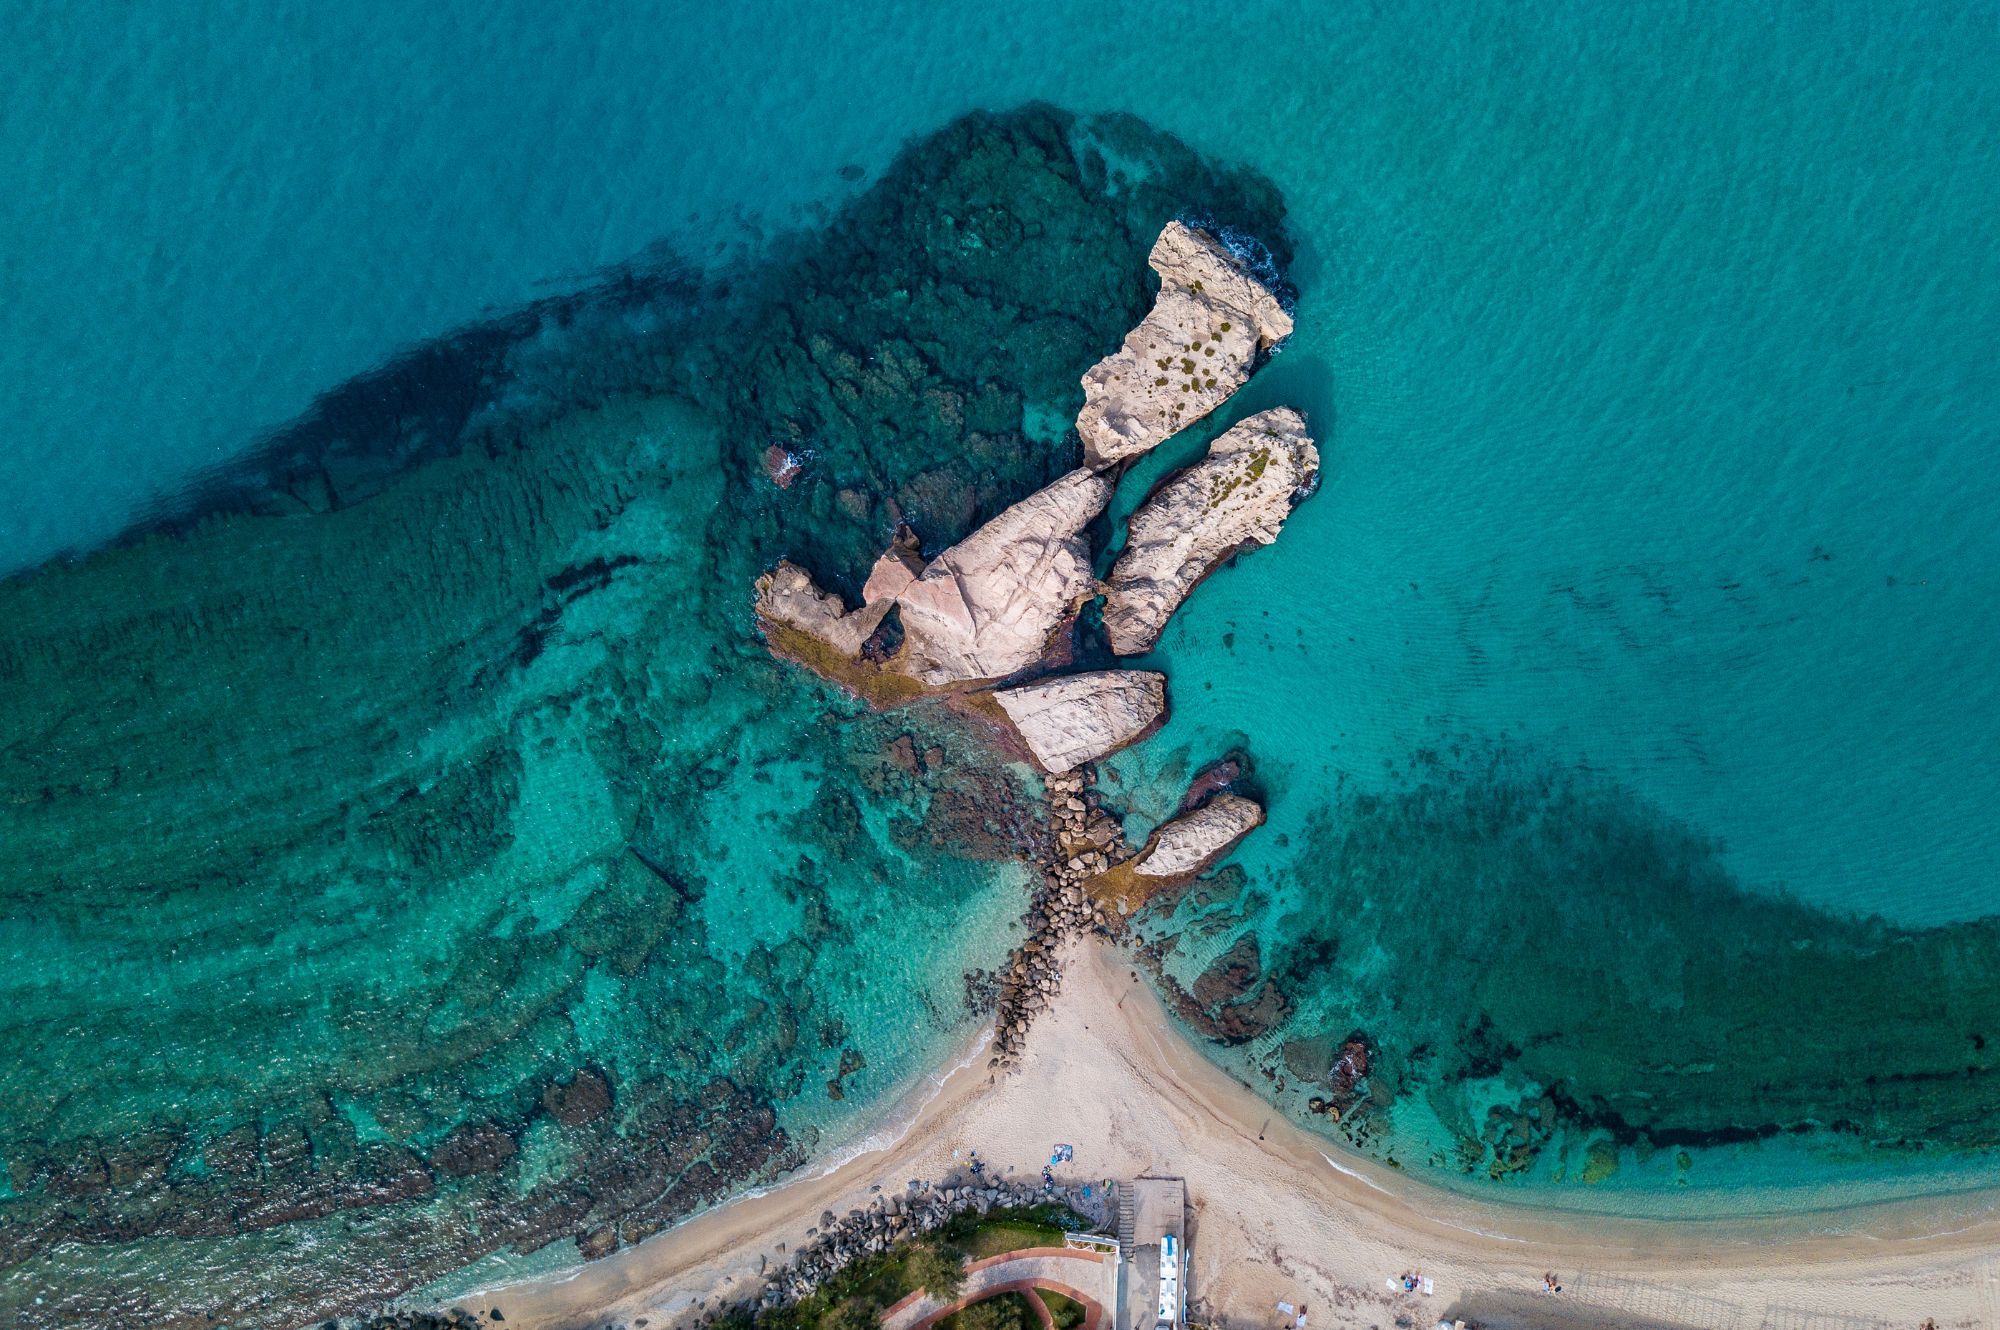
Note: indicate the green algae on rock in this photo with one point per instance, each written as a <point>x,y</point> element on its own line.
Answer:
<point>921,361</point>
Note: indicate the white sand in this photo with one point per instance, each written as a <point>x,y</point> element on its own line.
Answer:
<point>1275,1220</point>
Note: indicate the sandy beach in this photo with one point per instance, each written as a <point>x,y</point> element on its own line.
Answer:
<point>1274,1219</point>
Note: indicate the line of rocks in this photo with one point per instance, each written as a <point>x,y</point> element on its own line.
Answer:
<point>1087,841</point>
<point>448,1318</point>
<point>890,1219</point>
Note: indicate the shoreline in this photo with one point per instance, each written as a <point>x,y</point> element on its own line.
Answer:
<point>1277,1218</point>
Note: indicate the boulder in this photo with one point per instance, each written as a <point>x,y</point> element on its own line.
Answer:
<point>1078,718</point>
<point>787,597</point>
<point>1193,841</point>
<point>900,565</point>
<point>1209,323</point>
<point>988,606</point>
<point>1235,498</point>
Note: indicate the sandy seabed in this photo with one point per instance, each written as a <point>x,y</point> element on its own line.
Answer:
<point>1276,1219</point>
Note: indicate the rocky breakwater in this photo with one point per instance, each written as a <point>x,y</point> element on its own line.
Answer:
<point>1236,498</point>
<point>1212,319</point>
<point>1089,841</point>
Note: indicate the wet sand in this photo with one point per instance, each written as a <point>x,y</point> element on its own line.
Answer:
<point>1274,1219</point>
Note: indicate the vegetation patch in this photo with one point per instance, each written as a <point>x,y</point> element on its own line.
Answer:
<point>1006,1311</point>
<point>855,1298</point>
<point>1013,1229</point>
<point>1067,1311</point>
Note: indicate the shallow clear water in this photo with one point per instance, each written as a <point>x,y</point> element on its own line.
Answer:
<point>1639,638</point>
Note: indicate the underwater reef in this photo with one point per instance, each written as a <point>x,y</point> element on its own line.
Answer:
<point>1504,968</point>
<point>413,854</point>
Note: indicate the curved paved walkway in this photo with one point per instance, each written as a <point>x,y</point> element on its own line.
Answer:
<point>1091,1278</point>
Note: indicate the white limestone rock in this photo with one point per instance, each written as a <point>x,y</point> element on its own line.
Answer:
<point>1194,840</point>
<point>787,596</point>
<point>1235,498</point>
<point>988,606</point>
<point>1078,718</point>
<point>900,565</point>
<point>1193,350</point>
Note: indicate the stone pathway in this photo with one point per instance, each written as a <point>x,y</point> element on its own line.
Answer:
<point>1091,1278</point>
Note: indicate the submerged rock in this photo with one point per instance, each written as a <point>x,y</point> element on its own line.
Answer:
<point>1233,1001</point>
<point>1236,497</point>
<point>586,1097</point>
<point>1212,778</point>
<point>1198,344</point>
<point>988,606</point>
<point>1079,718</point>
<point>1193,841</point>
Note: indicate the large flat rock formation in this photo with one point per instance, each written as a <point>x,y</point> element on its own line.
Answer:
<point>1235,498</point>
<point>1211,320</point>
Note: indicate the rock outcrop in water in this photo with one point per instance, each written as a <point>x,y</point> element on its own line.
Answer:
<point>988,606</point>
<point>1211,321</point>
<point>1077,718</point>
<point>1235,498</point>
<point>1194,840</point>
<point>994,605</point>
<point>788,598</point>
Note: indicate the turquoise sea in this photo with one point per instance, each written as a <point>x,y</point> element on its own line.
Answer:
<point>411,855</point>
